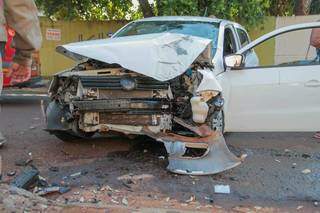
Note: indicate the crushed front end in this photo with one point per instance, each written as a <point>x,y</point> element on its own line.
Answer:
<point>178,110</point>
<point>111,99</point>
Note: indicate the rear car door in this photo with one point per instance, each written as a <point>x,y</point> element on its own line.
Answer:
<point>278,96</point>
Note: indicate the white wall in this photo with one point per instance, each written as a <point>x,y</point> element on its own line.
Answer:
<point>294,46</point>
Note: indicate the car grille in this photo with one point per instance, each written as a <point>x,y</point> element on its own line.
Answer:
<point>113,83</point>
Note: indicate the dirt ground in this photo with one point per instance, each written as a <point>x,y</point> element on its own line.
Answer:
<point>281,172</point>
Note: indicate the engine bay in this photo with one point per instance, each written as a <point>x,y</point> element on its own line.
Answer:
<point>100,97</point>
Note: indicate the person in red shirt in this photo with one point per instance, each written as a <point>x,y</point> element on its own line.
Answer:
<point>22,17</point>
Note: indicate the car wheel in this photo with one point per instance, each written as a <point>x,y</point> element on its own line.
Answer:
<point>217,121</point>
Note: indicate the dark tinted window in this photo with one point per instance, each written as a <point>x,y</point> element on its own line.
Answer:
<point>243,36</point>
<point>229,43</point>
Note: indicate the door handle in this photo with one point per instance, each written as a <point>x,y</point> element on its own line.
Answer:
<point>312,83</point>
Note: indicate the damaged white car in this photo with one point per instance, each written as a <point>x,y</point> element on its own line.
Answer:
<point>167,78</point>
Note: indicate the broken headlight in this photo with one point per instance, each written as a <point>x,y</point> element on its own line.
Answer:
<point>218,103</point>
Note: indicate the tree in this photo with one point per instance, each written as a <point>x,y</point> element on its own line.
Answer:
<point>302,7</point>
<point>146,8</point>
<point>281,7</point>
<point>88,9</point>
<point>249,12</point>
<point>315,7</point>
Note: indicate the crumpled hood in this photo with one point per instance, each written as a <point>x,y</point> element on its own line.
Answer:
<point>162,56</point>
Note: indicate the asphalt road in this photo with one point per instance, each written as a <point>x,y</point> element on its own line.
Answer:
<point>271,176</point>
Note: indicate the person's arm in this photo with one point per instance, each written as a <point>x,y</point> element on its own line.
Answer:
<point>22,16</point>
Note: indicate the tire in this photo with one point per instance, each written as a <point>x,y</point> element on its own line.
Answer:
<point>217,121</point>
<point>68,136</point>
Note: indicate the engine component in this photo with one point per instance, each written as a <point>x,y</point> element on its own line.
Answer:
<point>200,110</point>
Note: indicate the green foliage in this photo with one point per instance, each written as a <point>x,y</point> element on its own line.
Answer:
<point>87,9</point>
<point>281,7</point>
<point>249,12</point>
<point>179,8</point>
<point>315,7</point>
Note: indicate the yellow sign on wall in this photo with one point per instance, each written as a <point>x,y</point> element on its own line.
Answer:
<point>62,32</point>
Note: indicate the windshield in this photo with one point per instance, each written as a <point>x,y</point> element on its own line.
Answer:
<point>207,30</point>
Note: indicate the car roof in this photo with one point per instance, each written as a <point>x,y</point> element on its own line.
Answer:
<point>181,18</point>
<point>190,18</point>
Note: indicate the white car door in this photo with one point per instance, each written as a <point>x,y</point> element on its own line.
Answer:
<point>282,97</point>
<point>249,106</point>
<point>300,89</point>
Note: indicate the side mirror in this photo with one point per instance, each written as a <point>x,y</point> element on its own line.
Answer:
<point>234,61</point>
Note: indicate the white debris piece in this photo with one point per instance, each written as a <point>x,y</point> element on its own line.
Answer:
<point>306,171</point>
<point>243,157</point>
<point>75,175</point>
<point>136,177</point>
<point>222,189</point>
<point>299,207</point>
<point>125,201</point>
<point>191,199</point>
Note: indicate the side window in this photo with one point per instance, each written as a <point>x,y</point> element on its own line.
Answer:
<point>229,46</point>
<point>288,49</point>
<point>243,36</point>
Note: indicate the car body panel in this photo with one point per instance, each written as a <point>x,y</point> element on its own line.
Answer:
<point>276,98</point>
<point>299,89</point>
<point>164,55</point>
<point>247,100</point>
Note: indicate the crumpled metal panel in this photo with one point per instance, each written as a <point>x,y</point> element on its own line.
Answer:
<point>162,56</point>
<point>209,82</point>
<point>217,159</point>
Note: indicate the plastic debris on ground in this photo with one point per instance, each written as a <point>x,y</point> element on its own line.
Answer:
<point>306,171</point>
<point>222,189</point>
<point>27,178</point>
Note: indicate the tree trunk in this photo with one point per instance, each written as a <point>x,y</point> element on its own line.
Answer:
<point>146,8</point>
<point>159,7</point>
<point>302,7</point>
